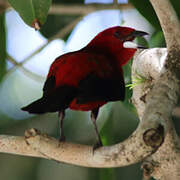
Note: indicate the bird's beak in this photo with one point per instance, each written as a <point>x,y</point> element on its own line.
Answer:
<point>138,33</point>
<point>132,45</point>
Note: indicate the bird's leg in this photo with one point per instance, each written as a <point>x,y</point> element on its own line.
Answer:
<point>61,116</point>
<point>94,114</point>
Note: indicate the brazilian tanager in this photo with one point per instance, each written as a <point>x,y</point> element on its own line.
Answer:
<point>88,78</point>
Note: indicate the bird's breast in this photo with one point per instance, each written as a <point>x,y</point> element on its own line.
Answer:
<point>74,105</point>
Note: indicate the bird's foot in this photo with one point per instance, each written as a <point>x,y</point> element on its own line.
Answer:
<point>62,138</point>
<point>97,145</point>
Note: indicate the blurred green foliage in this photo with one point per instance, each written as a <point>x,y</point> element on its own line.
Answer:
<point>55,22</point>
<point>157,39</point>
<point>2,46</point>
<point>32,10</point>
<point>146,9</point>
<point>176,6</point>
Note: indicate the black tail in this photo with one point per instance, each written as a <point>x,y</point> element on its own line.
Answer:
<point>37,107</point>
<point>56,101</point>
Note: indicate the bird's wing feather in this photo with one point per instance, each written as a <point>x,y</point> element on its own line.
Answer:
<point>71,68</point>
<point>49,85</point>
<point>93,88</point>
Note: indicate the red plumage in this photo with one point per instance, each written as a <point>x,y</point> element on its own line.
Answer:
<point>87,79</point>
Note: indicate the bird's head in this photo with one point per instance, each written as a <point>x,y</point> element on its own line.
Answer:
<point>118,41</point>
<point>126,35</point>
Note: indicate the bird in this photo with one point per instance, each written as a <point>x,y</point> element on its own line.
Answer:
<point>87,79</point>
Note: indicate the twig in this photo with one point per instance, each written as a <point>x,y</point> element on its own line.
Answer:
<point>115,2</point>
<point>80,9</point>
<point>25,70</point>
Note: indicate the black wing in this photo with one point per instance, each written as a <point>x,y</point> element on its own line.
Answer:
<point>54,99</point>
<point>93,88</point>
<point>49,85</point>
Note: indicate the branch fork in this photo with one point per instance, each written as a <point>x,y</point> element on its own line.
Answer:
<point>107,156</point>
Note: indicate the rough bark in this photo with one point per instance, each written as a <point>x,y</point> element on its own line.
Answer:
<point>160,98</point>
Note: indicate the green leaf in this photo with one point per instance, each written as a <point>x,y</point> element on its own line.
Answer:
<point>157,39</point>
<point>2,46</point>
<point>146,9</point>
<point>176,5</point>
<point>55,23</point>
<point>107,173</point>
<point>33,12</point>
<point>107,129</point>
<point>142,41</point>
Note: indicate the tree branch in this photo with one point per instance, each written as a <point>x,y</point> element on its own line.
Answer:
<point>40,145</point>
<point>77,9</point>
<point>84,9</point>
<point>157,99</point>
<point>25,70</point>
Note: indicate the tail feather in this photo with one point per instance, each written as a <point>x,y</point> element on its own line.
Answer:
<point>56,101</point>
<point>37,107</point>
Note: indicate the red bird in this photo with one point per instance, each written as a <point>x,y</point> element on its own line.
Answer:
<point>87,79</point>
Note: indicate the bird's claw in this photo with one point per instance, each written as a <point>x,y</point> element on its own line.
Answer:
<point>62,138</point>
<point>97,145</point>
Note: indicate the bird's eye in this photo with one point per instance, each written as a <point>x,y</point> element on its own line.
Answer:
<point>117,35</point>
<point>127,37</point>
